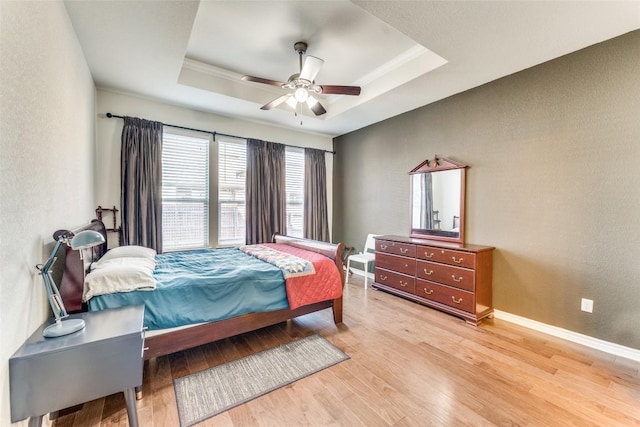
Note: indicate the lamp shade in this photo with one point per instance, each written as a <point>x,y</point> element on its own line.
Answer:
<point>86,239</point>
<point>292,102</point>
<point>301,94</point>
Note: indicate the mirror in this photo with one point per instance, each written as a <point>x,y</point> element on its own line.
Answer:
<point>437,200</point>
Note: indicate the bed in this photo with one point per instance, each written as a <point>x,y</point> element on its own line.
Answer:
<point>165,341</point>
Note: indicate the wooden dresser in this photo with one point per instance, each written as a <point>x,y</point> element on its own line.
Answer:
<point>451,277</point>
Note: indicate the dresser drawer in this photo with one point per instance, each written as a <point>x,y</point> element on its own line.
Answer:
<point>396,263</point>
<point>396,280</point>
<point>462,278</point>
<point>404,249</point>
<point>456,298</point>
<point>447,256</point>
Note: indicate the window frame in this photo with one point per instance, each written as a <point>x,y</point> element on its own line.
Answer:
<point>214,217</point>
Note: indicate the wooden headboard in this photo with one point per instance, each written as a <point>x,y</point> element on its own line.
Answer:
<point>75,266</point>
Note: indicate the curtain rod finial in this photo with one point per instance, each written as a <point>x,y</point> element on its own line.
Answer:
<point>109,115</point>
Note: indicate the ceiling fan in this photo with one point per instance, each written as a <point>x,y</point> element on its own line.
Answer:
<point>303,86</point>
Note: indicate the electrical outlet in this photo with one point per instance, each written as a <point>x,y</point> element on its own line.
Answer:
<point>586,305</point>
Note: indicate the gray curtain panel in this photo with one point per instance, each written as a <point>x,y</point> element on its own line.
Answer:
<point>426,207</point>
<point>141,183</point>
<point>316,219</point>
<point>266,201</point>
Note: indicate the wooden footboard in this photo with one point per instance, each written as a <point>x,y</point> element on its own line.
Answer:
<point>170,342</point>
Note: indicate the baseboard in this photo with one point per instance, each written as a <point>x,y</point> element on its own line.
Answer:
<point>598,344</point>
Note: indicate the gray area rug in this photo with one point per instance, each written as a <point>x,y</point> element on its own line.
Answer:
<point>212,391</point>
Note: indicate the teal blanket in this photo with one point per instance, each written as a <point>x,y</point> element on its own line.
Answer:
<point>204,285</point>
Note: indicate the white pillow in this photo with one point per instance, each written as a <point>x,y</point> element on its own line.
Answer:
<point>149,263</point>
<point>118,278</point>
<point>129,251</point>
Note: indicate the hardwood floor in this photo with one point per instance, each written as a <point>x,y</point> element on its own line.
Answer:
<point>409,366</point>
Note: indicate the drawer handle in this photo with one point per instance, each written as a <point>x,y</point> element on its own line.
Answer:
<point>403,284</point>
<point>457,301</point>
<point>406,265</point>
<point>383,246</point>
<point>457,261</point>
<point>428,273</point>
<point>383,277</point>
<point>404,251</point>
<point>428,255</point>
<point>459,279</point>
<point>427,291</point>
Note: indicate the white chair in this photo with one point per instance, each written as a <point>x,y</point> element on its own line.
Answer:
<point>365,257</point>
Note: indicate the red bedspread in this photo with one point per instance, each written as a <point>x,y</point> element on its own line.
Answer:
<point>303,290</point>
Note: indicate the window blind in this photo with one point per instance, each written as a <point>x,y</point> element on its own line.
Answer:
<point>185,192</point>
<point>294,159</point>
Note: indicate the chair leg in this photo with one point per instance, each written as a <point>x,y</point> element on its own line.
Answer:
<point>366,274</point>
<point>347,278</point>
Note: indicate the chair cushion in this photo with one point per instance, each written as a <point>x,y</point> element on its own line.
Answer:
<point>362,257</point>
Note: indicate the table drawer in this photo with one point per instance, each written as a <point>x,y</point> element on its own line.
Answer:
<point>404,249</point>
<point>396,280</point>
<point>396,263</point>
<point>462,278</point>
<point>447,256</point>
<point>456,298</point>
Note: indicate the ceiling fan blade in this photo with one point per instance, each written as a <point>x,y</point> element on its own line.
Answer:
<point>315,106</point>
<point>340,90</point>
<point>261,80</point>
<point>276,102</point>
<point>311,68</point>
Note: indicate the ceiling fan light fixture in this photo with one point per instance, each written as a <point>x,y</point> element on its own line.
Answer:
<point>292,102</point>
<point>301,94</point>
<point>311,101</point>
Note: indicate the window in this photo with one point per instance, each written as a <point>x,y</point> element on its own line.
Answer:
<point>186,214</point>
<point>232,167</point>
<point>185,192</point>
<point>294,158</point>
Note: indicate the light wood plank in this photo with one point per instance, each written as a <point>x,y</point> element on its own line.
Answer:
<point>91,414</point>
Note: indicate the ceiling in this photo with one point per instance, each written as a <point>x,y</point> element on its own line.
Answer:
<point>404,54</point>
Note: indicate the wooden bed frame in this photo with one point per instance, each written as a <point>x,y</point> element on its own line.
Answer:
<point>170,342</point>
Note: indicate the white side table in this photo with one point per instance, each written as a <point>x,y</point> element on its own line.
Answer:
<point>48,374</point>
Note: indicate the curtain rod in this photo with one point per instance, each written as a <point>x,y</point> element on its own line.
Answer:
<point>214,133</point>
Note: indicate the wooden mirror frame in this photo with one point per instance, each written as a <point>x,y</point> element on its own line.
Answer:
<point>439,165</point>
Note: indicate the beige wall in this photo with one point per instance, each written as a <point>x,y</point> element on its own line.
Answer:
<point>47,102</point>
<point>107,188</point>
<point>553,184</point>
